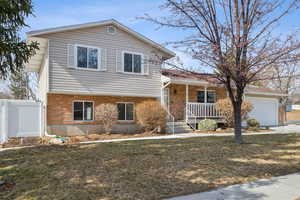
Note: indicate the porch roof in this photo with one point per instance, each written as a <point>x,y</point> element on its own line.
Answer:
<point>185,77</point>
<point>193,78</point>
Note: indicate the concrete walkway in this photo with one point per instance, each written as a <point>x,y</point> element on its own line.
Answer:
<point>175,136</point>
<point>277,188</point>
<point>291,128</point>
<point>274,130</point>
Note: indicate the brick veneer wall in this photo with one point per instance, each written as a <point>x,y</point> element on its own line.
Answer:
<point>60,116</point>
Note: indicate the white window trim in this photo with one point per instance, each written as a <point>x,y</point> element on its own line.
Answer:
<point>87,69</point>
<point>133,107</point>
<point>142,63</point>
<point>83,111</point>
<point>215,96</point>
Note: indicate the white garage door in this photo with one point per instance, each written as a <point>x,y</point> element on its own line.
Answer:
<point>265,110</point>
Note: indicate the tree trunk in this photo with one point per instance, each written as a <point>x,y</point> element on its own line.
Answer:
<point>238,123</point>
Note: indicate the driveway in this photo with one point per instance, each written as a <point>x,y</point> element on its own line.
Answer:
<point>291,128</point>
<point>277,188</point>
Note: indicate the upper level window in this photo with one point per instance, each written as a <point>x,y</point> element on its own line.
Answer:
<point>210,96</point>
<point>83,110</point>
<point>132,62</point>
<point>87,57</point>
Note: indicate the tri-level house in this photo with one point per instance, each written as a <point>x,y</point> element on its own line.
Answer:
<point>83,66</point>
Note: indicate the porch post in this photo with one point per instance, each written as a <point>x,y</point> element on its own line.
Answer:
<point>186,102</point>
<point>205,100</point>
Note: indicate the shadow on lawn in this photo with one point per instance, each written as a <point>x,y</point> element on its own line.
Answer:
<point>145,169</point>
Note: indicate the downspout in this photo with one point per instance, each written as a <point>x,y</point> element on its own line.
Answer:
<point>47,91</point>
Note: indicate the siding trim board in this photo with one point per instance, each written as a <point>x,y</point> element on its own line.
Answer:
<point>84,93</point>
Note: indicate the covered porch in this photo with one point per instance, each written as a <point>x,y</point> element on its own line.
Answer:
<point>192,100</point>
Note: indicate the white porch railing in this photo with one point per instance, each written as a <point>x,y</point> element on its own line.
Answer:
<point>170,119</point>
<point>203,110</point>
<point>190,119</point>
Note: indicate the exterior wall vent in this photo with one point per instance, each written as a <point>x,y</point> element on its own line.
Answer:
<point>111,30</point>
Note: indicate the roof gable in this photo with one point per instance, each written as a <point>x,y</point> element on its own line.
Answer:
<point>102,23</point>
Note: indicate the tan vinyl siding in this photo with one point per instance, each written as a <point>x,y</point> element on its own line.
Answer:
<point>65,80</point>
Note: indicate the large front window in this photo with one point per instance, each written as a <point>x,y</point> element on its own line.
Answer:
<point>83,110</point>
<point>125,111</point>
<point>87,57</point>
<point>132,62</point>
<point>210,97</point>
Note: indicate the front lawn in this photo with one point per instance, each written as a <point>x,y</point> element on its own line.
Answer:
<point>150,169</point>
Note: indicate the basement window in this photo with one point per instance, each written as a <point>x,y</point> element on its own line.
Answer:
<point>125,111</point>
<point>83,110</point>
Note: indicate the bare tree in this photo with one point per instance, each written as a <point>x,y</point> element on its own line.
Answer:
<point>22,84</point>
<point>283,78</point>
<point>235,38</point>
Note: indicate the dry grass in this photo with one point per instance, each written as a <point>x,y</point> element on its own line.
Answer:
<point>228,130</point>
<point>295,115</point>
<point>145,169</point>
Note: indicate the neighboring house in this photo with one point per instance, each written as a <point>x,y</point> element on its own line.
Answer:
<point>4,96</point>
<point>295,102</point>
<point>83,66</point>
<point>295,97</point>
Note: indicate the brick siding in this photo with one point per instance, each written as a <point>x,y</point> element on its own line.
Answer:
<point>60,106</point>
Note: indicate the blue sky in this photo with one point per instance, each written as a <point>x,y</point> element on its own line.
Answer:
<point>65,12</point>
<point>52,13</point>
<point>49,14</point>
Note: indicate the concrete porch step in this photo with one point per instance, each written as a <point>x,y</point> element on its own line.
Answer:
<point>177,123</point>
<point>179,127</point>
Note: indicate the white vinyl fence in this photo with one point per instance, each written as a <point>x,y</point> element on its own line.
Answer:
<point>20,118</point>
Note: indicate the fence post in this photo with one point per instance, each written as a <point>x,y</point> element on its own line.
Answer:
<point>42,119</point>
<point>4,121</point>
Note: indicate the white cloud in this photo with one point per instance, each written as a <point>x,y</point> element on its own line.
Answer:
<point>190,63</point>
<point>187,60</point>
